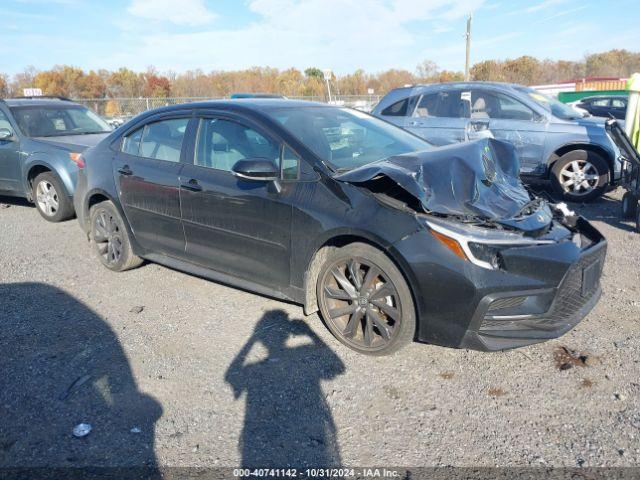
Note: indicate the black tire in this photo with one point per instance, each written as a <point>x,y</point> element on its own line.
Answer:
<point>596,171</point>
<point>373,323</point>
<point>109,238</point>
<point>637,217</point>
<point>51,199</point>
<point>629,206</point>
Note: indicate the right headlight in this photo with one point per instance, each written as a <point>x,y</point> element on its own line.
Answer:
<point>480,246</point>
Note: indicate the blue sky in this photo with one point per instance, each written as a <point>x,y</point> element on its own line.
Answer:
<point>342,35</point>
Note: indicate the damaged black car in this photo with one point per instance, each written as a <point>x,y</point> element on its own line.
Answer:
<point>391,239</point>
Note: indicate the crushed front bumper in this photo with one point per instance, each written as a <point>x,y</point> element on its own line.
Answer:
<point>515,319</point>
<point>540,292</point>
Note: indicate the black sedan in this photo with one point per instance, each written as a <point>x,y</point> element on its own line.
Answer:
<point>605,105</point>
<point>390,238</point>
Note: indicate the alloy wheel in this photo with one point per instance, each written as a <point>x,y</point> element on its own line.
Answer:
<point>47,198</point>
<point>362,303</point>
<point>107,235</point>
<point>579,177</point>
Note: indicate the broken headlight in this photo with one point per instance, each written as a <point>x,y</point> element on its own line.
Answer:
<point>485,253</point>
<point>481,246</point>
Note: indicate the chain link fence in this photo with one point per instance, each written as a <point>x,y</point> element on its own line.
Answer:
<point>125,108</point>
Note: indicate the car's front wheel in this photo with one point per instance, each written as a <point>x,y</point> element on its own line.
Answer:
<point>580,176</point>
<point>109,238</point>
<point>365,300</point>
<point>51,199</point>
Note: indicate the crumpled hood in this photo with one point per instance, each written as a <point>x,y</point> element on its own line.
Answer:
<point>478,178</point>
<point>74,143</point>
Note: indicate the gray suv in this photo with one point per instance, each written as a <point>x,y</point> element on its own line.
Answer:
<point>41,139</point>
<point>553,141</point>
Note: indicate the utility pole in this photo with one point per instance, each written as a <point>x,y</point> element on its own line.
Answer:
<point>468,59</point>
<point>327,76</point>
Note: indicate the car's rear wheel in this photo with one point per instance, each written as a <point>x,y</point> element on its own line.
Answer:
<point>629,206</point>
<point>109,238</point>
<point>365,300</point>
<point>51,199</point>
<point>580,176</point>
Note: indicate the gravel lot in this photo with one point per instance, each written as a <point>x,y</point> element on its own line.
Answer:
<point>154,360</point>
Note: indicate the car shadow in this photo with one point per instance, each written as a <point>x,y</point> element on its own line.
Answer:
<point>287,422</point>
<point>62,366</point>
<point>604,209</point>
<point>17,201</point>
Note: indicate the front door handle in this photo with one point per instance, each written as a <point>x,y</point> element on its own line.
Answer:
<point>125,170</point>
<point>192,185</point>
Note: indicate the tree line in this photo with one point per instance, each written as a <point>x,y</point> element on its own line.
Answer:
<point>73,82</point>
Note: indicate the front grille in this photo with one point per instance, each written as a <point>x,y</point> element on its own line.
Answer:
<point>571,296</point>
<point>509,302</point>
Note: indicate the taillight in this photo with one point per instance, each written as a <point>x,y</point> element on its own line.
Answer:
<point>78,159</point>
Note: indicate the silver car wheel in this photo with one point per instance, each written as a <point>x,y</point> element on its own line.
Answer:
<point>47,198</point>
<point>579,177</point>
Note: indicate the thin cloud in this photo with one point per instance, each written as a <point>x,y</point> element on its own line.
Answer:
<point>537,7</point>
<point>562,14</point>
<point>189,13</point>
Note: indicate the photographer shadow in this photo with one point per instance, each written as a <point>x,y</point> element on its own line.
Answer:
<point>62,365</point>
<point>287,421</point>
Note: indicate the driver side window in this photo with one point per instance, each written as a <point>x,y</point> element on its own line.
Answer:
<point>222,143</point>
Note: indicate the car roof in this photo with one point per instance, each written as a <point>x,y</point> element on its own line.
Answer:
<point>593,97</point>
<point>39,102</point>
<point>470,84</point>
<point>242,104</point>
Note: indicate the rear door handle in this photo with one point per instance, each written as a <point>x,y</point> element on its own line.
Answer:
<point>192,185</point>
<point>125,170</point>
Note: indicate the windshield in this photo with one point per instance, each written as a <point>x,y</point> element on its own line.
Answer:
<point>38,121</point>
<point>550,104</point>
<point>345,138</point>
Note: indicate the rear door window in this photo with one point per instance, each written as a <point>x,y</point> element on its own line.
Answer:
<point>163,140</point>
<point>131,143</point>
<point>449,104</point>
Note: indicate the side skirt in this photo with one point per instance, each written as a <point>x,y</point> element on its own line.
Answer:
<point>290,294</point>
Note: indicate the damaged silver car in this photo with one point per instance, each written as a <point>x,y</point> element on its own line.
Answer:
<point>391,239</point>
<point>554,142</point>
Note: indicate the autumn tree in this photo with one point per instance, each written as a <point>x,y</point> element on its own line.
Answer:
<point>51,83</point>
<point>426,71</point>
<point>125,83</point>
<point>614,63</point>
<point>92,85</point>
<point>314,72</point>
<point>156,86</point>
<point>4,85</point>
<point>22,80</point>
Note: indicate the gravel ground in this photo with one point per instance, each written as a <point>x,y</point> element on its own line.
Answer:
<point>174,370</point>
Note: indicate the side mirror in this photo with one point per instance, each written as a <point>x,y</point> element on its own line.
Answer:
<point>6,135</point>
<point>257,169</point>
